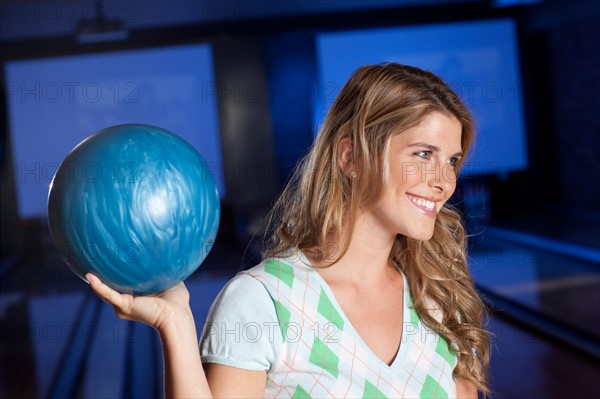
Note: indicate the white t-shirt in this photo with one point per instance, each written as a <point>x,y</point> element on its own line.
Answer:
<point>282,317</point>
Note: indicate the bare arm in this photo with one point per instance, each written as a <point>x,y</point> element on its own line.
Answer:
<point>232,382</point>
<point>184,375</point>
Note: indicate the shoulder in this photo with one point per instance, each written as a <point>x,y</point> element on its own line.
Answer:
<point>242,291</point>
<point>252,290</point>
<point>244,326</point>
<point>241,328</point>
<point>283,268</point>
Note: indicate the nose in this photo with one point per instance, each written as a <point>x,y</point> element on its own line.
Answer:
<point>442,179</point>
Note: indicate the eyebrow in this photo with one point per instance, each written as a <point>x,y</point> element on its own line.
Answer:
<point>434,148</point>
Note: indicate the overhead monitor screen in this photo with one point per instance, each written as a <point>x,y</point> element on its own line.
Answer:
<point>54,103</point>
<point>478,59</point>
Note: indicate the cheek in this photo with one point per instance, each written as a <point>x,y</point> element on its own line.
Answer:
<point>410,173</point>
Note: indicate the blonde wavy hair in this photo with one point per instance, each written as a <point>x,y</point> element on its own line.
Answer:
<point>320,203</point>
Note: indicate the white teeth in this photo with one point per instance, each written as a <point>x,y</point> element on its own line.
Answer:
<point>422,202</point>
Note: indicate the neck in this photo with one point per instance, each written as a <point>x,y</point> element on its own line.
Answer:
<point>366,262</point>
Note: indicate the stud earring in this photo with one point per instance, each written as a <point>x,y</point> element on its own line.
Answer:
<point>353,174</point>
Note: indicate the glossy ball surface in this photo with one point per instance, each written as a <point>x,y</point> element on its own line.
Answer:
<point>135,205</point>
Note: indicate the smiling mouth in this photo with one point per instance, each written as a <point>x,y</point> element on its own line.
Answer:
<point>425,206</point>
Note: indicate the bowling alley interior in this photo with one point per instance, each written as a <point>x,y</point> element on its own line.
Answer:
<point>247,84</point>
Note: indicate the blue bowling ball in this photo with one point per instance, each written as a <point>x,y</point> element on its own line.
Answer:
<point>135,205</point>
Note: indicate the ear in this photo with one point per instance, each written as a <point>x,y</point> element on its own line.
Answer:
<point>345,156</point>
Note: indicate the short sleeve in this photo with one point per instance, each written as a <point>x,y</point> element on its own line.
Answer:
<point>242,328</point>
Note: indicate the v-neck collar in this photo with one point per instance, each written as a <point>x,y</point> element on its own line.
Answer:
<point>404,339</point>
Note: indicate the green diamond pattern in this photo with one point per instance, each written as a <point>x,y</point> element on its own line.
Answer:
<point>281,270</point>
<point>443,350</point>
<point>283,315</point>
<point>431,389</point>
<point>329,311</point>
<point>371,391</point>
<point>300,393</point>
<point>322,356</point>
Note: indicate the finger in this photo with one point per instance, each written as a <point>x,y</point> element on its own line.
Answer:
<point>105,293</point>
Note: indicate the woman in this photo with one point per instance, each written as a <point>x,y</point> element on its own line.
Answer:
<point>365,289</point>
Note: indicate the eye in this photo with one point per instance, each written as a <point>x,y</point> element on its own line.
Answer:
<point>423,154</point>
<point>453,161</point>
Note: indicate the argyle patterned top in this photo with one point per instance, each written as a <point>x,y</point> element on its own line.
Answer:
<point>318,354</point>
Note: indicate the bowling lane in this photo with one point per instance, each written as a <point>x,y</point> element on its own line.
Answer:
<point>52,326</point>
<point>527,365</point>
<point>105,364</point>
<point>563,288</point>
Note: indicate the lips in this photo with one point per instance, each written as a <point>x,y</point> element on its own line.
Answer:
<point>424,205</point>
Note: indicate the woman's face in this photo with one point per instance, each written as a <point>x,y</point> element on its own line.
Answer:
<point>421,177</point>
